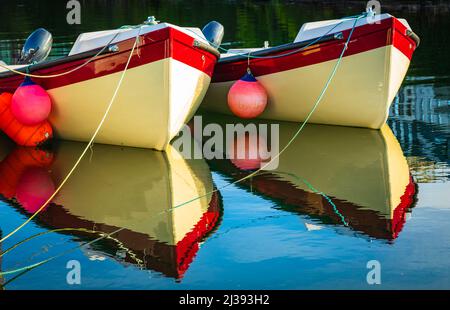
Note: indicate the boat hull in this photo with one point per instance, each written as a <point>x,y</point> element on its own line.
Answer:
<point>360,94</point>
<point>141,115</point>
<point>363,172</point>
<point>129,193</point>
<point>165,83</point>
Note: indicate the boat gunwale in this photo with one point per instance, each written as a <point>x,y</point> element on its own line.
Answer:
<point>336,36</point>
<point>231,63</point>
<point>196,44</point>
<point>281,48</point>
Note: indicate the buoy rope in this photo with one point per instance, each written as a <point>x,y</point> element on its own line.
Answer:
<point>57,230</point>
<point>113,98</point>
<point>27,67</point>
<point>319,99</point>
<point>316,104</point>
<point>32,266</point>
<point>120,244</point>
<point>249,54</point>
<point>312,188</point>
<point>6,67</point>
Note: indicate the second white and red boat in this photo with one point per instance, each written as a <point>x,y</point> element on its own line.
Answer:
<point>360,94</point>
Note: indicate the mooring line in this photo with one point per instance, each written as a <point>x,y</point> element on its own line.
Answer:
<point>32,266</point>
<point>316,191</point>
<point>105,115</point>
<point>319,99</point>
<point>27,67</point>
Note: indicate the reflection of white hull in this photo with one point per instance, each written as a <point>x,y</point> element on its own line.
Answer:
<point>154,101</point>
<point>134,189</point>
<point>360,94</point>
<point>132,192</point>
<point>363,171</point>
<point>364,167</point>
<point>137,195</point>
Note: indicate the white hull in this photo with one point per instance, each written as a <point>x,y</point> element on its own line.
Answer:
<point>154,101</point>
<point>359,95</point>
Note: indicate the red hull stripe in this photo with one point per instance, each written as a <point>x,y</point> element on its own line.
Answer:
<point>359,219</point>
<point>154,46</point>
<point>187,248</point>
<point>389,31</point>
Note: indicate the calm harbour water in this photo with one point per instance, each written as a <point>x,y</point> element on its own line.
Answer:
<point>272,232</point>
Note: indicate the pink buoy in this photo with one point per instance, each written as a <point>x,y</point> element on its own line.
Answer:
<point>31,104</point>
<point>35,186</point>
<point>247,98</point>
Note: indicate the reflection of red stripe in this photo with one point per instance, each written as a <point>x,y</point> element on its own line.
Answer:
<point>172,260</point>
<point>154,46</point>
<point>399,216</point>
<point>294,199</point>
<point>187,248</point>
<point>364,38</point>
<point>16,163</point>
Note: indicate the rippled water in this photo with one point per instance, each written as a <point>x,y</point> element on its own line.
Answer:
<point>273,231</point>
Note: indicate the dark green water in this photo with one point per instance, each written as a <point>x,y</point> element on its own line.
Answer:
<point>261,240</point>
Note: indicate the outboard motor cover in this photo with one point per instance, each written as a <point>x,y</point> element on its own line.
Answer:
<point>37,47</point>
<point>213,32</point>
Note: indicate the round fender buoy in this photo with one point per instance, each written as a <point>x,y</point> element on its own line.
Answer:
<point>21,134</point>
<point>34,188</point>
<point>244,152</point>
<point>247,98</point>
<point>16,163</point>
<point>31,104</point>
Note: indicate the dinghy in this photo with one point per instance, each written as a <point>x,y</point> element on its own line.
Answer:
<point>167,78</point>
<point>129,191</point>
<point>362,171</point>
<point>294,74</point>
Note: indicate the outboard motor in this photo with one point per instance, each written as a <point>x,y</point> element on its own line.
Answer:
<point>37,47</point>
<point>213,32</point>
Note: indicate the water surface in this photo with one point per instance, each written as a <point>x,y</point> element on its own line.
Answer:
<point>274,231</point>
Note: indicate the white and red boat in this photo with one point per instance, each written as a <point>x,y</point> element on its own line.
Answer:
<point>128,191</point>
<point>367,80</point>
<point>167,78</point>
<point>363,172</point>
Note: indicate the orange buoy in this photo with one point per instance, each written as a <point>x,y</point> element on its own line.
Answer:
<point>247,98</point>
<point>14,166</point>
<point>21,134</point>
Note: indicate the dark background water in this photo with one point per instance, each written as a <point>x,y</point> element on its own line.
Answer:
<point>258,243</point>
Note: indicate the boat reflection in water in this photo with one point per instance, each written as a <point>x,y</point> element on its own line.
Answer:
<point>120,188</point>
<point>362,171</point>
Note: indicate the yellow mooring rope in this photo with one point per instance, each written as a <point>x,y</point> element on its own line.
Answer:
<point>319,99</point>
<point>113,98</point>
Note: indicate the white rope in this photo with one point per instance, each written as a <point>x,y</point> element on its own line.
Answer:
<point>59,74</point>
